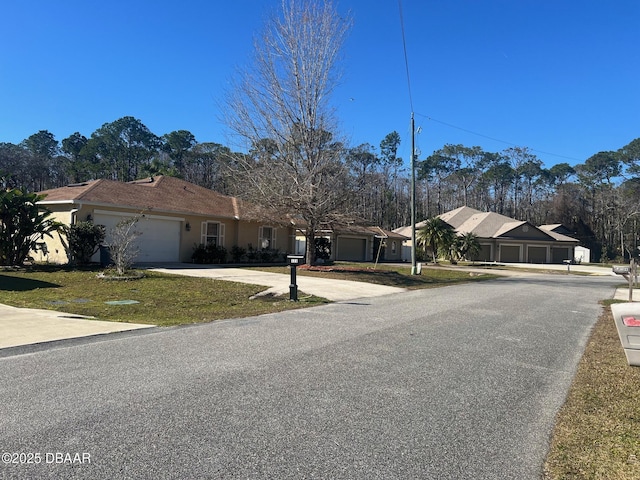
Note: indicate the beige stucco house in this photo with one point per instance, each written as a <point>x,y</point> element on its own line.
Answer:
<point>358,243</point>
<point>504,239</point>
<point>174,217</point>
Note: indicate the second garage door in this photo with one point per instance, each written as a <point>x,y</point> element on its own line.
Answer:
<point>509,253</point>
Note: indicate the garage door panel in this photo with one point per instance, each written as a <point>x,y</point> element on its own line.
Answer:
<point>158,239</point>
<point>484,255</point>
<point>559,255</point>
<point>537,254</point>
<point>509,253</point>
<point>353,249</point>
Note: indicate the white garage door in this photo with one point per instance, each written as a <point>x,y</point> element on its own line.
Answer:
<point>159,239</point>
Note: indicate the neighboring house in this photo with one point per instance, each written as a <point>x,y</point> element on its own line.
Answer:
<point>504,239</point>
<point>359,243</point>
<point>580,254</point>
<point>174,217</point>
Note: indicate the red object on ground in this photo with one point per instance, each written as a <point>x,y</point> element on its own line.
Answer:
<point>631,321</point>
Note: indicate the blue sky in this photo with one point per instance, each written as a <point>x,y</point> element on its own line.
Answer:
<point>561,77</point>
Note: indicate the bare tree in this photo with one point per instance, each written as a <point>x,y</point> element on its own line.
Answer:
<point>123,247</point>
<point>279,109</point>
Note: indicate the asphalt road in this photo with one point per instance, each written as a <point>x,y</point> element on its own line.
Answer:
<point>459,382</point>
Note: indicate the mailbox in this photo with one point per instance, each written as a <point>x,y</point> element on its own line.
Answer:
<point>295,260</point>
<point>621,270</point>
<point>627,319</point>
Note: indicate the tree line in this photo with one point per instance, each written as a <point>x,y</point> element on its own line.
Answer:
<point>599,199</point>
<point>123,150</point>
<point>294,162</point>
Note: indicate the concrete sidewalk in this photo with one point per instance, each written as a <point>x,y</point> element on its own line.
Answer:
<point>26,326</point>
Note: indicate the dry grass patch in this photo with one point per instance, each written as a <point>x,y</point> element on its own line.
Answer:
<point>597,434</point>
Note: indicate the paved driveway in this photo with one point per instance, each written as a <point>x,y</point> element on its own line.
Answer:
<point>278,284</point>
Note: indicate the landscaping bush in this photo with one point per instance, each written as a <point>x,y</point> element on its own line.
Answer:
<point>238,254</point>
<point>209,253</point>
<point>264,255</point>
<point>216,254</point>
<point>84,240</point>
<point>323,248</point>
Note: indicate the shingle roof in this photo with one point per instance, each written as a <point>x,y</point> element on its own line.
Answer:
<point>551,226</point>
<point>457,217</point>
<point>560,237</point>
<point>381,232</point>
<point>483,224</point>
<point>161,194</point>
<point>406,231</point>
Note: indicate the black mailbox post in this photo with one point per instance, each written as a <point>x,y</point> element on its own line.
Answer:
<point>294,261</point>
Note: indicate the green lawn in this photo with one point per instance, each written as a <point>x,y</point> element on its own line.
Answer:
<point>165,299</point>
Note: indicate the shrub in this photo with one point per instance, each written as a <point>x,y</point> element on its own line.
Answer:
<point>209,253</point>
<point>323,248</point>
<point>84,240</point>
<point>237,253</point>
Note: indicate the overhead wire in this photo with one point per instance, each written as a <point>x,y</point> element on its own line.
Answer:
<point>406,64</point>
<point>406,57</point>
<point>495,139</point>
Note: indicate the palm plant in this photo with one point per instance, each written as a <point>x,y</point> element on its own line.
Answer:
<point>466,246</point>
<point>23,223</point>
<point>437,236</point>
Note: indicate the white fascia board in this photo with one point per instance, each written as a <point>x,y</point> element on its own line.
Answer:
<point>56,202</point>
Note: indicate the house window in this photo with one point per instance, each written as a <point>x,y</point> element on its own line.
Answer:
<point>267,237</point>
<point>393,247</point>
<point>213,233</point>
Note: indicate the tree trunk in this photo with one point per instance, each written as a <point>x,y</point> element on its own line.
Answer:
<point>310,254</point>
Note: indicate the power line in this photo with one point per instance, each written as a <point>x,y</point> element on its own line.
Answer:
<point>406,58</point>
<point>495,139</point>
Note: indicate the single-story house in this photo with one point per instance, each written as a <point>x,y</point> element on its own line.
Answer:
<point>504,239</point>
<point>358,243</point>
<point>174,217</point>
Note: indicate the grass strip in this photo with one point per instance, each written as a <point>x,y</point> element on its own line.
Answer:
<point>597,432</point>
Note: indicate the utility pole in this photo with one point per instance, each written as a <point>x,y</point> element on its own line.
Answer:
<point>413,197</point>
